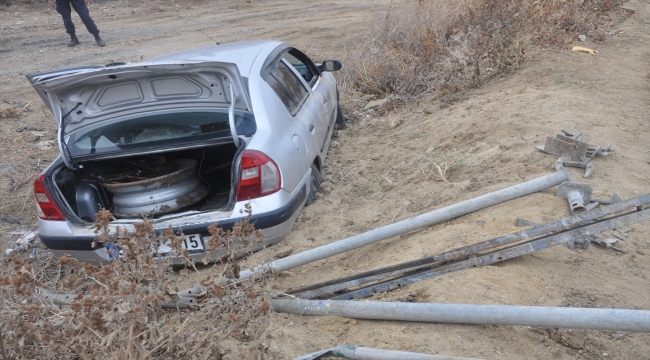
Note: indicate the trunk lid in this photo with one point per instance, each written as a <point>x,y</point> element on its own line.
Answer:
<point>88,96</point>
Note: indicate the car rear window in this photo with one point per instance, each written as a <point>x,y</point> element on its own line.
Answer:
<point>177,128</point>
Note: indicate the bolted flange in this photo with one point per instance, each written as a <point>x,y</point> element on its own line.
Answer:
<point>578,195</point>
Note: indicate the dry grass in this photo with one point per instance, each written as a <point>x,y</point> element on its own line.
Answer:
<point>9,113</point>
<point>118,311</point>
<point>448,46</point>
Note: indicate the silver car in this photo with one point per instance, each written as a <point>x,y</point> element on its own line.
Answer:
<point>186,139</point>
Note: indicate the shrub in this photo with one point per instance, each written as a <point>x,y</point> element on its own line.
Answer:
<point>129,309</point>
<point>451,45</point>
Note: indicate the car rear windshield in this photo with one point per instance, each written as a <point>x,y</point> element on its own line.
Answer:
<point>160,129</point>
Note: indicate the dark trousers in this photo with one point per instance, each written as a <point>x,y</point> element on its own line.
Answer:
<point>63,8</point>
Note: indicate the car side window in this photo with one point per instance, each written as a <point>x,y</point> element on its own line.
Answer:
<point>303,65</point>
<point>288,87</point>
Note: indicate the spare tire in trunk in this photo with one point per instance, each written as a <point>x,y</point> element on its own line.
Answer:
<point>177,188</point>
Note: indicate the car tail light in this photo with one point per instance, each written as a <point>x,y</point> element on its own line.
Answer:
<point>258,176</point>
<point>46,207</point>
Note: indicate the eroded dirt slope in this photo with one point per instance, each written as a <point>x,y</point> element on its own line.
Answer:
<point>381,169</point>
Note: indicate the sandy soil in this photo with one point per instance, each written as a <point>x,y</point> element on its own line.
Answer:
<point>380,170</point>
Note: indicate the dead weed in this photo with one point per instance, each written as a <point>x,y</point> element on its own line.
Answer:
<point>129,309</point>
<point>449,46</point>
<point>9,113</point>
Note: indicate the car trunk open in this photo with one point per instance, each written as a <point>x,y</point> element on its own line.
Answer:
<point>85,100</point>
<point>153,185</point>
<point>147,139</point>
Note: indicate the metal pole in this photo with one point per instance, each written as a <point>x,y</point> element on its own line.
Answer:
<point>465,252</point>
<point>364,353</point>
<point>538,316</point>
<point>499,255</point>
<point>418,222</point>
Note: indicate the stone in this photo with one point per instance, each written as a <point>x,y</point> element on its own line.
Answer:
<point>375,104</point>
<point>396,122</point>
<point>574,339</point>
<point>582,37</point>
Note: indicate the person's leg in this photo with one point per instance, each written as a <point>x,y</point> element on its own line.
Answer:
<point>80,7</point>
<point>63,8</point>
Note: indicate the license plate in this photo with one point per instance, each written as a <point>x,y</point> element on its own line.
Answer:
<point>190,243</point>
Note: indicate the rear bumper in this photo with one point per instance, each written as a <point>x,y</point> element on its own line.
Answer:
<point>274,224</point>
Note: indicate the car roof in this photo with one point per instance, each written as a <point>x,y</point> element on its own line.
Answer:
<point>243,54</point>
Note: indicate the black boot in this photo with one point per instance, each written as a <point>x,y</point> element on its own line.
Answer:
<point>99,40</point>
<point>73,40</point>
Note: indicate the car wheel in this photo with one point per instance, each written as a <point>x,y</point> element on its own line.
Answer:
<point>314,184</point>
<point>340,117</point>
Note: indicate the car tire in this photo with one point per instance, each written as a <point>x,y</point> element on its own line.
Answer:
<point>340,118</point>
<point>314,184</point>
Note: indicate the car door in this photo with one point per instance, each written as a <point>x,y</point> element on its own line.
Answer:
<point>321,109</point>
<point>303,105</point>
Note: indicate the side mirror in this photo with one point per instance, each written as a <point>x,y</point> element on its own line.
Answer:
<point>330,65</point>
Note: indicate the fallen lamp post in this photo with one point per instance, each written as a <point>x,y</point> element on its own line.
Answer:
<point>537,316</point>
<point>431,218</point>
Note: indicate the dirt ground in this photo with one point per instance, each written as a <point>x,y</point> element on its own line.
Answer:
<point>381,169</point>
